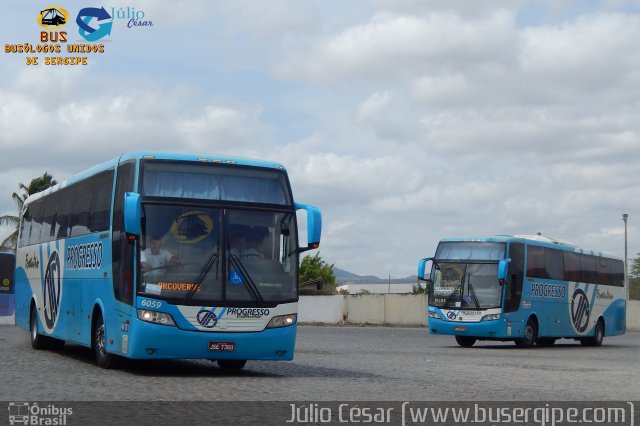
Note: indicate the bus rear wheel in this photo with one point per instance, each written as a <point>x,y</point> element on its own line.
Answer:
<point>530,335</point>
<point>598,336</point>
<point>231,364</point>
<point>465,341</point>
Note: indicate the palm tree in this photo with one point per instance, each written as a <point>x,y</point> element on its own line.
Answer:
<point>36,185</point>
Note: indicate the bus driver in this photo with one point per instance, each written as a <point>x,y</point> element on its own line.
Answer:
<point>154,256</point>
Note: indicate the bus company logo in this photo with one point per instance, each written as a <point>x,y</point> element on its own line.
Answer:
<point>207,318</point>
<point>51,290</point>
<point>604,295</point>
<point>452,314</point>
<point>244,313</point>
<point>31,262</point>
<point>94,23</point>
<point>580,310</point>
<point>53,17</point>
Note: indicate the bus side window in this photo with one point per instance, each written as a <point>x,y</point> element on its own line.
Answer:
<point>571,266</point>
<point>514,281</point>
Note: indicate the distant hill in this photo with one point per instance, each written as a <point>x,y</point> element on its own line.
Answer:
<point>343,276</point>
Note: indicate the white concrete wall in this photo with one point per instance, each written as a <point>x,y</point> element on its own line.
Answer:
<point>321,309</point>
<point>390,309</point>
<point>8,320</point>
<point>633,315</point>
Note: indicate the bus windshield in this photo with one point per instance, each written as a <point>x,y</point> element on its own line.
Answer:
<point>465,285</point>
<point>208,255</point>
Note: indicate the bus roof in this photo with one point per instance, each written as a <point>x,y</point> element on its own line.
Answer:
<point>143,155</point>
<point>538,240</point>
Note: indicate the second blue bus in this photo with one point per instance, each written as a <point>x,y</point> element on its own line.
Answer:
<point>527,289</point>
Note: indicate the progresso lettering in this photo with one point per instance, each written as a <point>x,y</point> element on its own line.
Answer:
<point>248,312</point>
<point>548,290</point>
<point>84,256</point>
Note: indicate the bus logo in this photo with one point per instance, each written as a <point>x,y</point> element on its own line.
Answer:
<point>19,413</point>
<point>51,290</point>
<point>580,310</point>
<point>53,17</point>
<point>207,319</point>
<point>452,314</point>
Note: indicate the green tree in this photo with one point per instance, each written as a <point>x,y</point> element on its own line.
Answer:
<point>36,185</point>
<point>316,276</point>
<point>634,278</point>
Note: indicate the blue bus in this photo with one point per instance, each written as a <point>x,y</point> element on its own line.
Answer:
<point>7,266</point>
<point>135,258</point>
<point>527,289</point>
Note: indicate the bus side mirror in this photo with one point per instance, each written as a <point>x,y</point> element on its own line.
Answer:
<point>132,213</point>
<point>421,265</point>
<point>314,226</point>
<point>503,266</point>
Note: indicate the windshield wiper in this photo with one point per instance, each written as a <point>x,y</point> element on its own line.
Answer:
<point>204,271</point>
<point>251,286</point>
<point>472,292</point>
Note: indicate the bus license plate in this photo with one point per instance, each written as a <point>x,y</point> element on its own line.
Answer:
<point>459,328</point>
<point>222,346</point>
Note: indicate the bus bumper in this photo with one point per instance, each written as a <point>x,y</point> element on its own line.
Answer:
<point>495,329</point>
<point>153,341</point>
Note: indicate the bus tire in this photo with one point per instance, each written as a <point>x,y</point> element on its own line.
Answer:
<point>598,335</point>
<point>99,343</point>
<point>38,341</point>
<point>546,341</point>
<point>465,341</point>
<point>231,364</point>
<point>530,334</point>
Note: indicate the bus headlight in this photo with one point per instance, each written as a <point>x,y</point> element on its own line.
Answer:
<point>155,317</point>
<point>434,315</point>
<point>490,317</point>
<point>283,321</point>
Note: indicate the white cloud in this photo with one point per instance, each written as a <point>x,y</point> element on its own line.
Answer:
<point>405,121</point>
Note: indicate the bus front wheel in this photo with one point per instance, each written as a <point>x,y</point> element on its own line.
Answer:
<point>231,364</point>
<point>103,358</point>
<point>530,335</point>
<point>465,341</point>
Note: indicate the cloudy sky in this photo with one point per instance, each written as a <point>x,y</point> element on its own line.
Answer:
<point>405,121</point>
